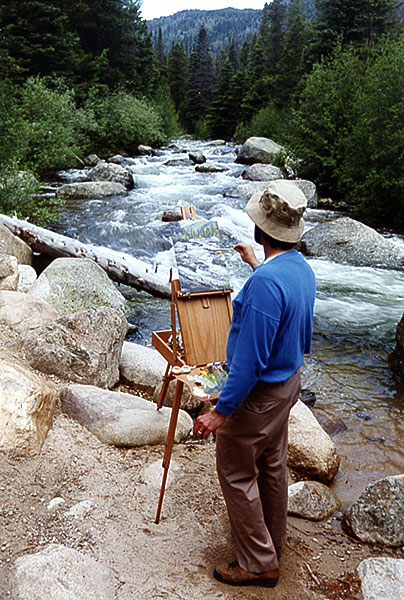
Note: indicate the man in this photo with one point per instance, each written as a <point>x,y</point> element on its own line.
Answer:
<point>270,332</point>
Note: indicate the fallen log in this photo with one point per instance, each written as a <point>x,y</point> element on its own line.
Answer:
<point>121,267</point>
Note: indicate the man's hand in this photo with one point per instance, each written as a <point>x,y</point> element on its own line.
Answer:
<point>247,254</point>
<point>205,424</point>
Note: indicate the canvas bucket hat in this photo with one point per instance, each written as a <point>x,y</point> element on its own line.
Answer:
<point>278,210</point>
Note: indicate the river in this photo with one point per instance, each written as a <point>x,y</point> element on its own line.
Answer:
<point>356,312</point>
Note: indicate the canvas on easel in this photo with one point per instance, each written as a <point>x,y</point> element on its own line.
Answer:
<point>203,313</point>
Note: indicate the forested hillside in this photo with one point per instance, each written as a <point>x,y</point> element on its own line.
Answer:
<point>87,76</point>
<point>221,24</point>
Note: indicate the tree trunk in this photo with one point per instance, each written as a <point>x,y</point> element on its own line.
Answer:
<point>118,265</point>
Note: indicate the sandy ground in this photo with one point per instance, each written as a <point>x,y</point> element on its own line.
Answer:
<point>174,559</point>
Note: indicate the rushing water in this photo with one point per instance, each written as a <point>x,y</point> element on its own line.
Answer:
<point>356,313</point>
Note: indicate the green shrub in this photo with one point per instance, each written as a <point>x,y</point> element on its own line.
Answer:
<point>121,122</point>
<point>19,196</point>
<point>267,122</point>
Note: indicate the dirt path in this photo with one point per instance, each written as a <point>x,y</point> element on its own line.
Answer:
<point>169,561</point>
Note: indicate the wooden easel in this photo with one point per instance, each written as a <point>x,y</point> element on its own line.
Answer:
<point>204,320</point>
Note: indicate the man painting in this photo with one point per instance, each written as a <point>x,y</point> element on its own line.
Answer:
<point>271,330</point>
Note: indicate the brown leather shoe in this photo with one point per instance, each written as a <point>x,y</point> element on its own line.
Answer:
<point>233,574</point>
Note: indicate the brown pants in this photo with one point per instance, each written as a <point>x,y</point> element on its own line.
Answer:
<point>251,453</point>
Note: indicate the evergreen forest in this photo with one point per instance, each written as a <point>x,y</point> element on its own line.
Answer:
<point>325,79</point>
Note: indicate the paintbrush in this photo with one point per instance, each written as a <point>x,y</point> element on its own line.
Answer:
<point>224,249</point>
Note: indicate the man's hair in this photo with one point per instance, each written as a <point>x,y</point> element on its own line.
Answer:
<point>277,244</point>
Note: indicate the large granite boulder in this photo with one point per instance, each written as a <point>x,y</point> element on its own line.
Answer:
<point>399,349</point>
<point>309,190</point>
<point>258,150</point>
<point>61,573</point>
<point>121,419</point>
<point>377,517</point>
<point>197,157</point>
<point>260,172</point>
<point>141,367</point>
<point>116,173</point>
<point>84,347</point>
<point>311,451</point>
<point>311,500</point>
<point>348,241</point>
<point>244,189</point>
<point>23,313</point>
<point>382,578</point>
<point>13,245</point>
<point>9,273</point>
<point>27,403</point>
<point>91,189</point>
<point>71,285</point>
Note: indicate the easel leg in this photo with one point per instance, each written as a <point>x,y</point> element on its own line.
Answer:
<point>163,392</point>
<point>169,443</point>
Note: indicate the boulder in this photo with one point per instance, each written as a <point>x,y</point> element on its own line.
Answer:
<point>141,367</point>
<point>11,244</point>
<point>91,189</point>
<point>209,167</point>
<point>377,517</point>
<point>9,273</point>
<point>61,573</point>
<point>382,578</point>
<point>309,190</point>
<point>26,279</point>
<point>260,172</point>
<point>71,285</point>
<point>311,500</point>
<point>121,419</point>
<point>23,313</point>
<point>27,403</point>
<point>197,157</point>
<point>92,160</point>
<point>258,150</point>
<point>217,143</point>
<point>84,347</point>
<point>145,150</point>
<point>178,162</point>
<point>245,189</point>
<point>311,451</point>
<point>188,401</point>
<point>104,171</point>
<point>348,241</point>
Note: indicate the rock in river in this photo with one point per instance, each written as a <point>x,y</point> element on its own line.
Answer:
<point>348,241</point>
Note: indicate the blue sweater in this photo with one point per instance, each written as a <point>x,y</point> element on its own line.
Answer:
<point>271,327</point>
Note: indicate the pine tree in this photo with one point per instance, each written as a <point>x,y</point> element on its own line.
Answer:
<point>201,80</point>
<point>177,77</point>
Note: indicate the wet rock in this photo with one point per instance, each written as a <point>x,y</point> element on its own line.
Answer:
<point>179,162</point>
<point>104,171</point>
<point>13,245</point>
<point>310,451</point>
<point>382,578</point>
<point>26,279</point>
<point>188,401</point>
<point>209,168</point>
<point>258,150</point>
<point>121,419</point>
<point>9,273</point>
<point>197,157</point>
<point>141,367</point>
<point>312,500</point>
<point>377,517</point>
<point>259,172</point>
<point>23,313</point>
<point>91,189</point>
<point>348,241</point>
<point>398,355</point>
<point>331,424</point>
<point>245,189</point>
<point>84,347</point>
<point>308,397</point>
<point>145,150</point>
<point>170,217</point>
<point>27,403</point>
<point>71,285</point>
<point>217,143</point>
<point>58,572</point>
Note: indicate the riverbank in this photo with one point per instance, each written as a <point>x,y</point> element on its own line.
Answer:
<point>115,524</point>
